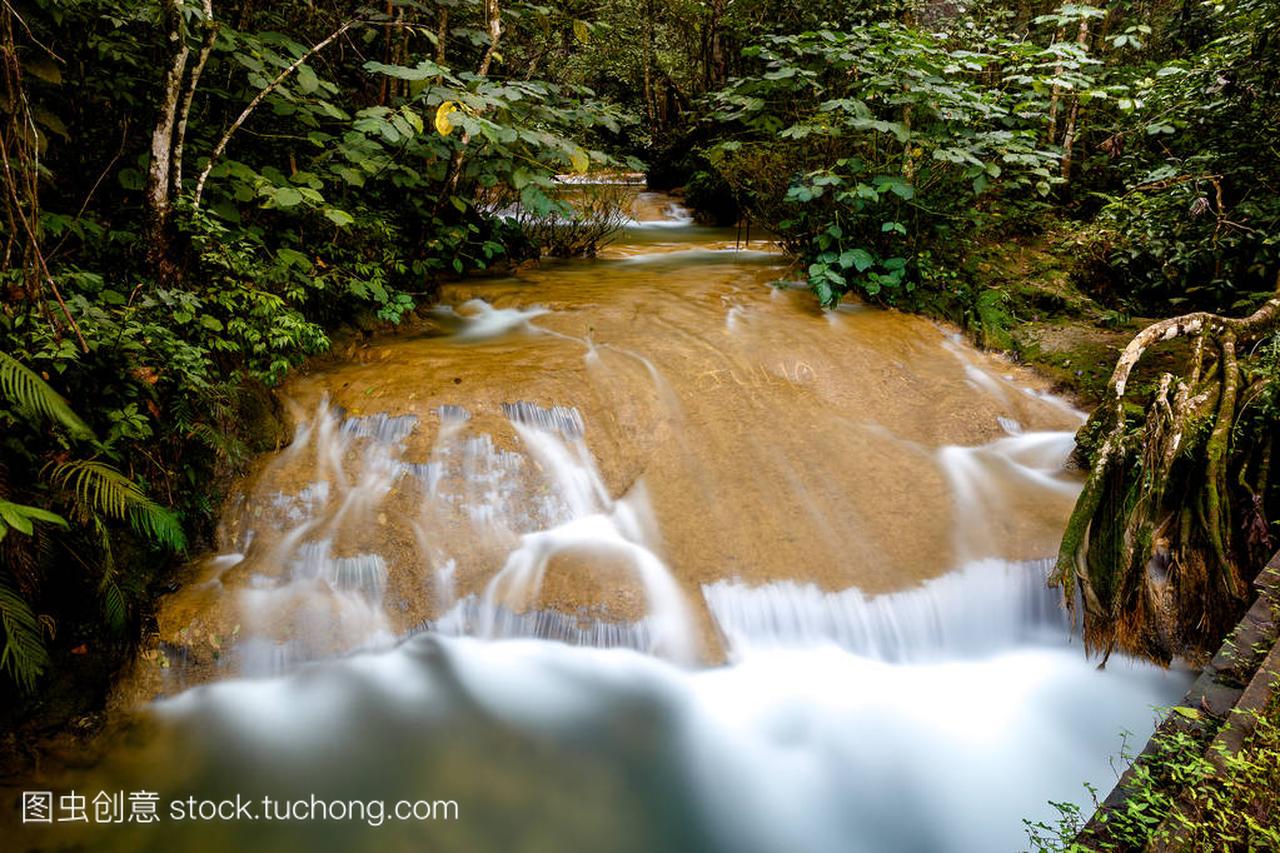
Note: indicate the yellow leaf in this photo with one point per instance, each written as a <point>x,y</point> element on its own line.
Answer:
<point>582,31</point>
<point>443,125</point>
<point>580,160</point>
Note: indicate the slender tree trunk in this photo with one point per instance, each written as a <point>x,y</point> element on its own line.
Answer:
<point>189,93</point>
<point>158,191</point>
<point>649,105</point>
<point>493,17</point>
<point>442,35</point>
<point>1055,97</point>
<point>384,90</point>
<point>1069,132</point>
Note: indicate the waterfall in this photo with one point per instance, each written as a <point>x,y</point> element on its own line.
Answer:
<point>984,607</point>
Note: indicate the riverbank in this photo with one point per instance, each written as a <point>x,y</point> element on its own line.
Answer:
<point>1210,774</point>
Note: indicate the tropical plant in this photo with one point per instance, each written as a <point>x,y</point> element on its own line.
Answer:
<point>862,148</point>
<point>95,493</point>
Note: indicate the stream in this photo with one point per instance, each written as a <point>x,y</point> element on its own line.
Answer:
<point>643,553</point>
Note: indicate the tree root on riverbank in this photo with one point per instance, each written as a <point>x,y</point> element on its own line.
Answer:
<point>1174,518</point>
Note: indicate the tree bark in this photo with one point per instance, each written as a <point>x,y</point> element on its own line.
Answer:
<point>1055,97</point>
<point>158,191</point>
<point>649,104</point>
<point>1069,131</point>
<point>189,93</point>
<point>1244,328</point>
<point>1140,465</point>
<point>493,16</point>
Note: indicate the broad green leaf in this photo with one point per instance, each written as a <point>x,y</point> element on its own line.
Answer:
<point>339,217</point>
<point>286,197</point>
<point>131,179</point>
<point>859,259</point>
<point>308,82</point>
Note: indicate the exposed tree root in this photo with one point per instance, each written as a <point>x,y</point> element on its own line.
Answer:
<point>1170,525</point>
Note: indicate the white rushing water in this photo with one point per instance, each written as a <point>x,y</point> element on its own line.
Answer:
<point>790,748</point>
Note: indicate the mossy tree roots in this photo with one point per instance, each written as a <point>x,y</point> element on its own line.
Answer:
<point>1174,518</point>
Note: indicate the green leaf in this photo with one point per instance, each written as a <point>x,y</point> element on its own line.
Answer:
<point>859,259</point>
<point>24,656</point>
<point>15,519</point>
<point>293,258</point>
<point>826,296</point>
<point>43,67</point>
<point>130,179</point>
<point>22,387</point>
<point>339,217</point>
<point>308,82</point>
<point>99,488</point>
<point>286,197</point>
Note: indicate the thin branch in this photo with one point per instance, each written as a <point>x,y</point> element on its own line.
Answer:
<point>258,99</point>
<point>124,138</point>
<point>184,109</point>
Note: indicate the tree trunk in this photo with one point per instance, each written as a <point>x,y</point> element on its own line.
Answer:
<point>493,16</point>
<point>1154,545</point>
<point>158,191</point>
<point>189,93</point>
<point>649,104</point>
<point>1069,132</point>
<point>1055,97</point>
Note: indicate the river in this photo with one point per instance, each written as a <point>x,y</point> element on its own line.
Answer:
<point>635,554</point>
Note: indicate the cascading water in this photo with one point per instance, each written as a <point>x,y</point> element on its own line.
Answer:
<point>638,554</point>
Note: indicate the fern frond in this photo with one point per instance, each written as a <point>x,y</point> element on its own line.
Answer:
<point>100,488</point>
<point>25,389</point>
<point>225,446</point>
<point>113,606</point>
<point>24,656</point>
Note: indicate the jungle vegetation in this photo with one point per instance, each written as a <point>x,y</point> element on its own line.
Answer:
<point>198,193</point>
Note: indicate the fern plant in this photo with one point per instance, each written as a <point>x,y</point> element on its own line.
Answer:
<point>96,494</point>
<point>24,656</point>
<point>98,489</point>
<point>24,389</point>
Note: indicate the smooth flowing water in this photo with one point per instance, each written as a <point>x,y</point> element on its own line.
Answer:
<point>643,553</point>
